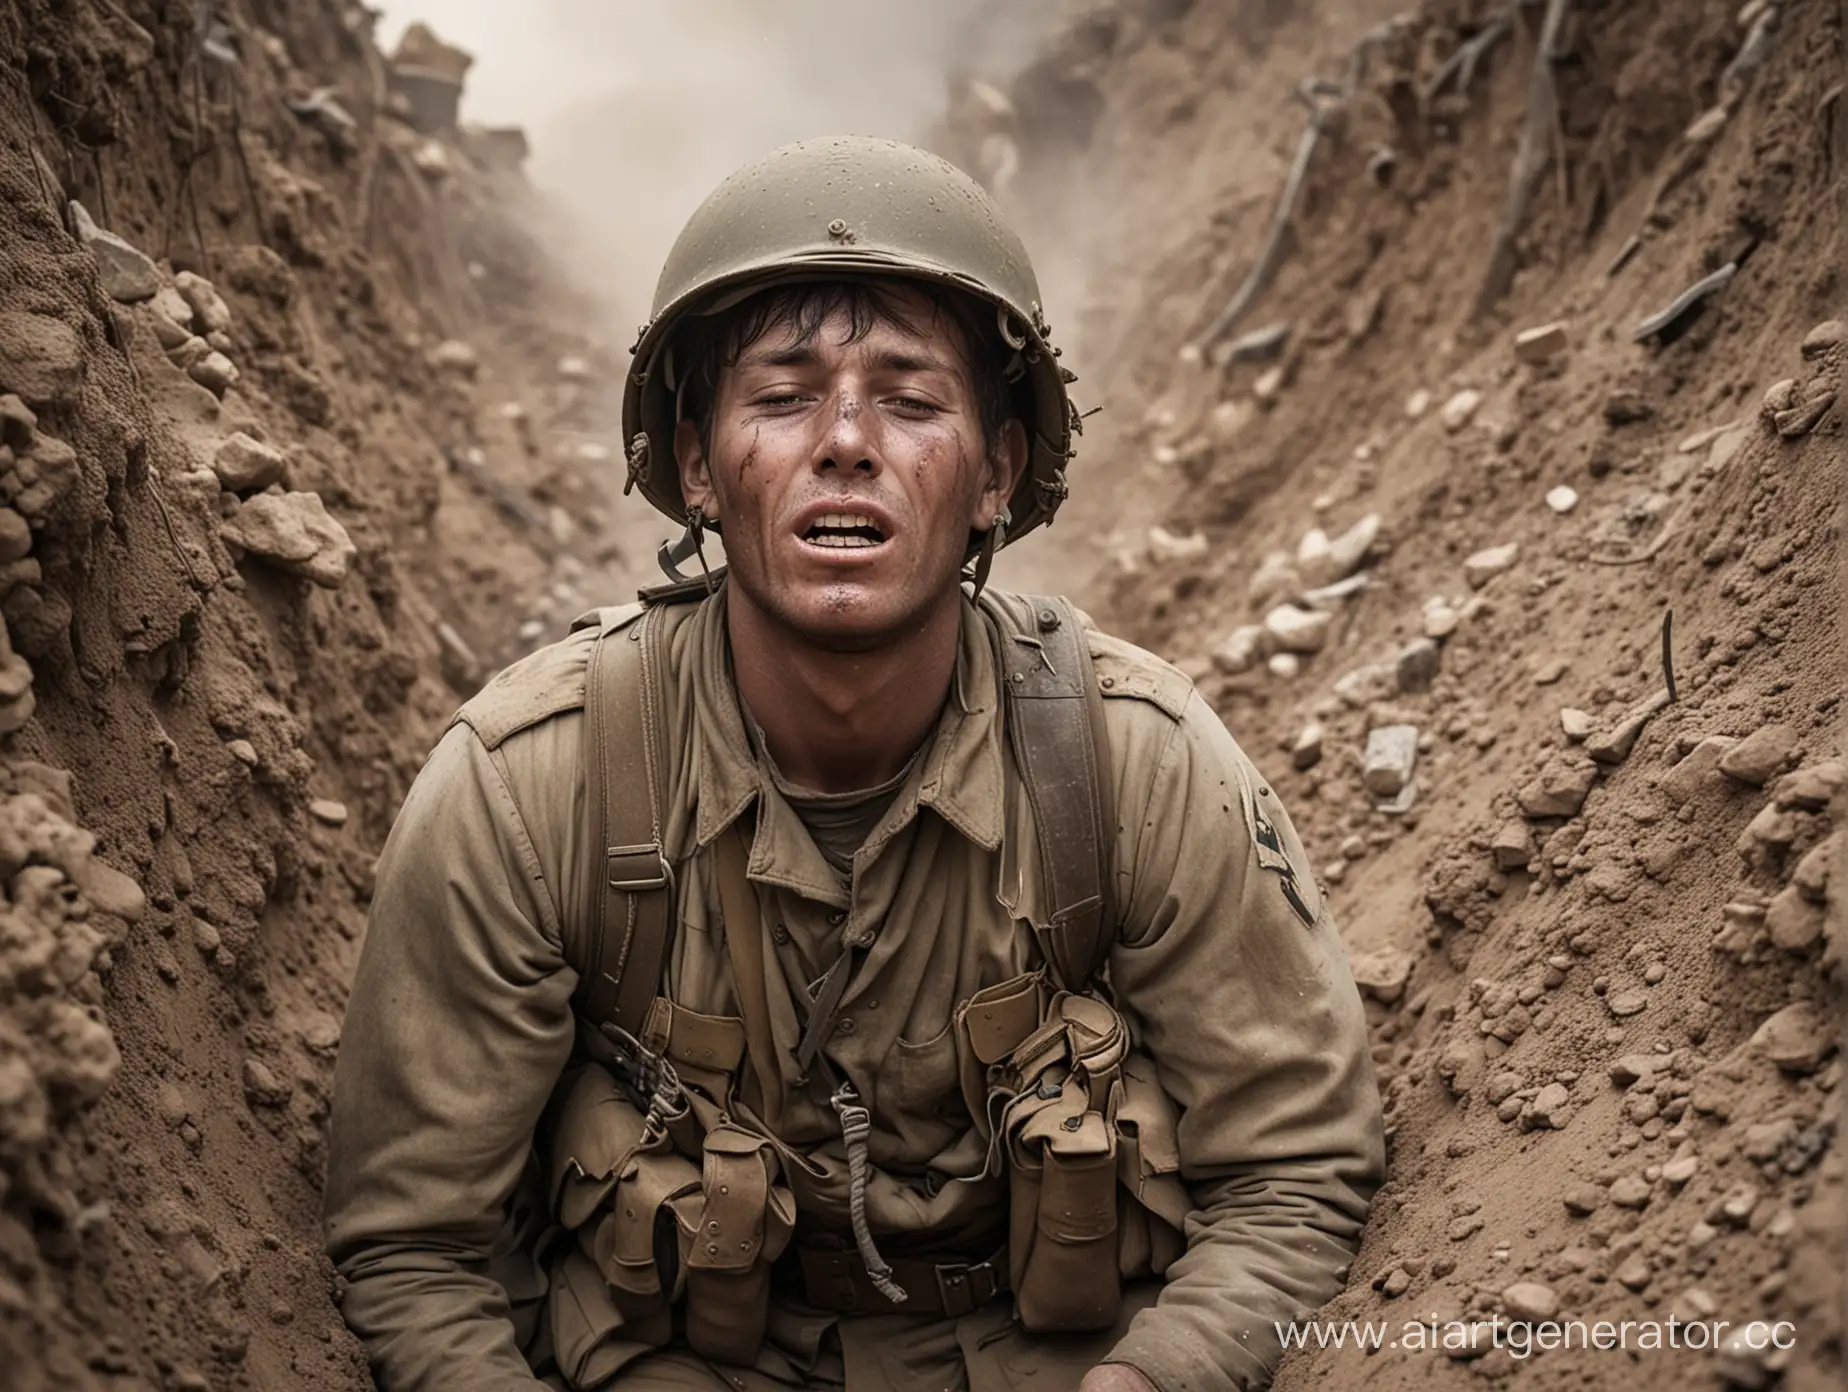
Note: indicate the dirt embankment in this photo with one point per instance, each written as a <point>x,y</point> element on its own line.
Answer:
<point>1425,572</point>
<point>301,438</point>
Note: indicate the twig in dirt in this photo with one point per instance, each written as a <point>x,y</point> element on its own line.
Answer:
<point>1668,654</point>
<point>1259,277</point>
<point>1623,256</point>
<point>1529,159</point>
<point>1463,63</point>
<point>1664,319</point>
<point>1655,544</point>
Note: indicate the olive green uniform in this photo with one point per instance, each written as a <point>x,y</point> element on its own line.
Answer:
<point>460,1027</point>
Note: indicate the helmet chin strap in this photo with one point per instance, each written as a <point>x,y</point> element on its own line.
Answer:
<point>674,554</point>
<point>985,558</point>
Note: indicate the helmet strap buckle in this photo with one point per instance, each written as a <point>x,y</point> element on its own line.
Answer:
<point>993,542</point>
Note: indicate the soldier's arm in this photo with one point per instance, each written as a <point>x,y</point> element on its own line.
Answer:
<point>1247,1007</point>
<point>456,1031</point>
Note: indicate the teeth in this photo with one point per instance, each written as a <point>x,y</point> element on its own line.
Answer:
<point>837,529</point>
<point>841,542</point>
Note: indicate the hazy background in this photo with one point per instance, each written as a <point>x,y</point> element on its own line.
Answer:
<point>636,110</point>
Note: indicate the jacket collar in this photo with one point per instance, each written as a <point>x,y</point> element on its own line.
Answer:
<point>962,776</point>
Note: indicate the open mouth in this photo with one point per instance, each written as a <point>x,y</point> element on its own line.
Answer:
<point>845,531</point>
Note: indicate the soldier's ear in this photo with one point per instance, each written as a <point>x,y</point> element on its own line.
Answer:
<point>695,477</point>
<point>1006,459</point>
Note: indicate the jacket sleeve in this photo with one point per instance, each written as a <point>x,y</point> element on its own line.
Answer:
<point>1246,1005</point>
<point>457,1028</point>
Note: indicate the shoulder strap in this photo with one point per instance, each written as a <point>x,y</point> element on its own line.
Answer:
<point>1055,724</point>
<point>630,887</point>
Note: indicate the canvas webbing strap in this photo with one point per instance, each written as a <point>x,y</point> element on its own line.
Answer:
<point>631,891</point>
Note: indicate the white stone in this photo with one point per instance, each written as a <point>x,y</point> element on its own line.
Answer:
<point>1459,409</point>
<point>1541,344</point>
<point>1391,755</point>
<point>1418,403</point>
<point>1298,630</point>
<point>1562,499</point>
<point>1485,565</point>
<point>1243,649</point>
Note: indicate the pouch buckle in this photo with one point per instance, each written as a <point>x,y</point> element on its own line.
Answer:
<point>633,869</point>
<point>963,1288</point>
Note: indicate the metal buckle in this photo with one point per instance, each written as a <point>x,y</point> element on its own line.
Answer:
<point>661,878</point>
<point>964,1289</point>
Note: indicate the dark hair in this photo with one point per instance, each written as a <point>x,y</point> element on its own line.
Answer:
<point>707,344</point>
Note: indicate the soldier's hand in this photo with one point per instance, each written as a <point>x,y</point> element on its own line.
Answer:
<point>1115,1377</point>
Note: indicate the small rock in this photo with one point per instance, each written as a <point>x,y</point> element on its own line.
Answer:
<point>1417,403</point>
<point>1562,499</point>
<point>1810,789</point>
<point>126,273</point>
<point>1575,724</point>
<point>1616,744</point>
<point>1276,578</point>
<point>15,537</point>
<point>1416,666</point>
<point>1298,630</point>
<point>1811,877</point>
<point>293,532</point>
<point>1748,1359</point>
<point>1485,565</point>
<point>1368,685</point>
<point>1466,1227</point>
<point>1347,551</point>
<point>1634,1272</point>
<point>1382,974</point>
<point>1270,383</point>
<point>1767,1140</point>
<point>1707,125</point>
<point>1681,1169</point>
<point>171,305</point>
<point>1306,748</point>
<point>262,1087</point>
<point>1735,1207</point>
<point>1794,922</point>
<point>1803,417</point>
<point>210,313</point>
<point>1284,664</point>
<point>1830,333</point>
<point>1797,1038</point>
<point>1760,756</point>
<point>1391,755</point>
<point>1530,1301</point>
<point>1542,344</point>
<point>1624,1004</point>
<point>1551,671</point>
<point>1245,647</point>
<point>1780,396</point>
<point>1560,790</point>
<point>320,1032</point>
<point>1513,846</point>
<point>1682,781</point>
<point>243,751</point>
<point>1440,620</point>
<point>215,372</point>
<point>244,465</point>
<point>41,359</point>
<point>1548,1109</point>
<point>453,355</point>
<point>1626,406</point>
<point>110,891</point>
<point>1167,548</point>
<point>328,812</point>
<point>1583,1199</point>
<point>1459,409</point>
<point>1635,1068</point>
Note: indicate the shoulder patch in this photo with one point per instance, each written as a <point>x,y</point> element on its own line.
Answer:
<point>537,687</point>
<point>1123,669</point>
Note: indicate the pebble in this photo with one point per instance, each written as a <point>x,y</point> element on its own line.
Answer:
<point>1616,744</point>
<point>1530,1301</point>
<point>1682,781</point>
<point>1747,1359</point>
<point>1346,552</point>
<point>1624,1004</point>
<point>1634,1272</point>
<point>1417,403</point>
<point>1760,756</point>
<point>41,359</point>
<point>1165,547</point>
<point>1803,417</point>
<point>1735,1207</point>
<point>1274,579</point>
<point>1583,1199</point>
<point>205,936</point>
<point>1562,499</point>
<point>1548,1109</point>
<point>1417,664</point>
<point>1298,630</point>
<point>1811,876</point>
<point>1541,344</point>
<point>1306,749</point>
<point>1793,920</point>
<point>245,465</point>
<point>1681,1169</point>
<point>1284,665</point>
<point>1551,671</point>
<point>1513,846</point>
<point>1270,383</point>
<point>1560,790</point>
<point>110,891</point>
<point>1577,725</point>
<point>1797,1038</point>
<point>1382,973</point>
<point>170,305</point>
<point>215,372</point>
<point>1485,565</point>
<point>1459,409</point>
<point>1810,789</point>
<point>1391,755</point>
<point>1243,649</point>
<point>1830,333</point>
<point>262,1087</point>
<point>1636,1068</point>
<point>1465,1227</point>
<point>210,313</point>
<point>127,274</point>
<point>293,532</point>
<point>1701,1234</point>
<point>1368,685</point>
<point>328,812</point>
<point>1440,620</point>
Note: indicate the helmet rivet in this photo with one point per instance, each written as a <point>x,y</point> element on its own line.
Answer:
<point>837,228</point>
<point>1048,620</point>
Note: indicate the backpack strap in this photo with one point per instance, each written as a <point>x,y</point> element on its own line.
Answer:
<point>1055,725</point>
<point>631,883</point>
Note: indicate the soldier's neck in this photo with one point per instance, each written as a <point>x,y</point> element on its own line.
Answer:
<point>837,722</point>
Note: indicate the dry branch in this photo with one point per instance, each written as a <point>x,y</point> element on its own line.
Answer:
<point>1530,157</point>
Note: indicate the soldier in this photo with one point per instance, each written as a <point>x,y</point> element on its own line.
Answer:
<point>828,972</point>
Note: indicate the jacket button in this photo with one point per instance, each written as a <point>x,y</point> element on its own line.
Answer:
<point>837,918</point>
<point>779,934</point>
<point>847,1026</point>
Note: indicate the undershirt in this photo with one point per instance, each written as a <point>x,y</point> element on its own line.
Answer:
<point>838,823</point>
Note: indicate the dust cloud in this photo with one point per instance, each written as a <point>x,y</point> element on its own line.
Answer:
<point>635,111</point>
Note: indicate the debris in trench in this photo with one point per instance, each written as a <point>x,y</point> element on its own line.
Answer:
<point>1669,320</point>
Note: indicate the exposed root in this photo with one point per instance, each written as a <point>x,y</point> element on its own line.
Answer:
<point>1530,157</point>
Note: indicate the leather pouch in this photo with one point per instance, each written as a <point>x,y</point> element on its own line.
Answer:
<point>731,1228</point>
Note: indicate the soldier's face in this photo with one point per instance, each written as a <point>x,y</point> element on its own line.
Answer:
<point>846,476</point>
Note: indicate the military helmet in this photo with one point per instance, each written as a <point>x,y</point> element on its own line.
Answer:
<point>836,207</point>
